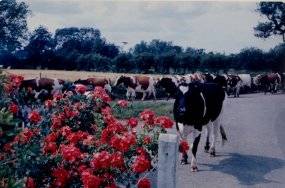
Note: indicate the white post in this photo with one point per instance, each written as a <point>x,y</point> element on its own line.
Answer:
<point>167,160</point>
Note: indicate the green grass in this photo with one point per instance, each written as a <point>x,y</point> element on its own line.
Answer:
<point>136,107</point>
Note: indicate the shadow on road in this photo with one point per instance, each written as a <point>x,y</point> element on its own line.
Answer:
<point>248,169</point>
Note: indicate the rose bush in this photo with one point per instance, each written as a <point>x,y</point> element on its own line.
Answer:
<point>75,140</point>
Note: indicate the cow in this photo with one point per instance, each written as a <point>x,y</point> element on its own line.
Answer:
<point>96,81</point>
<point>197,105</point>
<point>169,84</point>
<point>234,85</point>
<point>246,82</point>
<point>144,84</point>
<point>268,82</point>
<point>42,87</point>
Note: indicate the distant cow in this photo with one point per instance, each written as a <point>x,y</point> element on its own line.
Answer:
<point>144,84</point>
<point>268,82</point>
<point>96,81</point>
<point>196,105</point>
<point>169,85</point>
<point>234,85</point>
<point>43,86</point>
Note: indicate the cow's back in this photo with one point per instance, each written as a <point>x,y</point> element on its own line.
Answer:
<point>214,96</point>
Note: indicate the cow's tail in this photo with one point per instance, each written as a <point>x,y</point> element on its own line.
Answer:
<point>223,134</point>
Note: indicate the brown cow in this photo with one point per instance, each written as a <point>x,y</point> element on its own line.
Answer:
<point>43,85</point>
<point>144,84</point>
<point>96,81</point>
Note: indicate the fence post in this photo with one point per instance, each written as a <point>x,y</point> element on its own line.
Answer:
<point>167,160</point>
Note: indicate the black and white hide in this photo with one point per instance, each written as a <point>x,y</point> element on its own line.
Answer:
<point>197,105</point>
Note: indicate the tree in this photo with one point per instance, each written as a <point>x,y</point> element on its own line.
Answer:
<point>13,24</point>
<point>275,14</point>
<point>84,40</point>
<point>40,47</point>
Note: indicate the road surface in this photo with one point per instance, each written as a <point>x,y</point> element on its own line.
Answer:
<point>255,153</point>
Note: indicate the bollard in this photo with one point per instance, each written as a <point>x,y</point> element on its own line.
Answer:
<point>167,160</point>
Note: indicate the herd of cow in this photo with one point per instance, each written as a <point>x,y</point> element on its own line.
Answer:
<point>44,88</point>
<point>198,98</point>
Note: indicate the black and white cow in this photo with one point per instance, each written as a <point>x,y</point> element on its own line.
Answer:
<point>169,85</point>
<point>234,85</point>
<point>197,105</point>
<point>133,84</point>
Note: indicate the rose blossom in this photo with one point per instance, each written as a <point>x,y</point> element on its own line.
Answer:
<point>34,117</point>
<point>144,183</point>
<point>122,103</point>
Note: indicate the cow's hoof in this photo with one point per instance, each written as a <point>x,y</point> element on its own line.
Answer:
<point>184,162</point>
<point>206,148</point>
<point>213,153</point>
<point>194,169</point>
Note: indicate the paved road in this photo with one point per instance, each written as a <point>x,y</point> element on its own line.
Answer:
<point>255,153</point>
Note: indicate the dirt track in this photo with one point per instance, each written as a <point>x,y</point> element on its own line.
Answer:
<point>255,153</point>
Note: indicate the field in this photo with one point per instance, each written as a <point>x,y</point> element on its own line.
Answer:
<point>62,74</point>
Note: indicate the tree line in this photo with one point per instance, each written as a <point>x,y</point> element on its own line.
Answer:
<point>86,49</point>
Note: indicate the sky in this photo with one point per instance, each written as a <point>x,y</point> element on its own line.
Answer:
<point>225,27</point>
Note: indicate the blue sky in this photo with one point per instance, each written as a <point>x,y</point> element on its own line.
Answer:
<point>215,26</point>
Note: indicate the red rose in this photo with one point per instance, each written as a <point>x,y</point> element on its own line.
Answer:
<point>164,121</point>
<point>75,137</point>
<point>57,96</point>
<point>148,116</point>
<point>141,164</point>
<point>79,88</point>
<point>30,183</point>
<point>70,153</point>
<point>13,108</point>
<point>50,147</point>
<point>8,147</point>
<point>34,117</point>
<point>133,122</point>
<point>101,160</point>
<point>123,142</point>
<point>65,131</point>
<point>144,183</point>
<point>100,93</point>
<point>61,177</point>
<point>183,146</point>
<point>89,180</point>
<point>52,137</point>
<point>123,103</point>
<point>16,80</point>
<point>117,160</point>
<point>141,151</point>
<point>56,121</point>
<point>48,103</point>
<point>8,88</point>
<point>24,136</point>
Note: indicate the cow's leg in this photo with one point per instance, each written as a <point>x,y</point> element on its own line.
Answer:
<point>128,94</point>
<point>216,125</point>
<point>238,90</point>
<point>154,94</point>
<point>184,131</point>
<point>144,95</point>
<point>133,95</point>
<point>194,148</point>
<point>208,133</point>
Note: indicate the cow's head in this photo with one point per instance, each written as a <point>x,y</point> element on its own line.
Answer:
<point>169,85</point>
<point>125,80</point>
<point>222,81</point>
<point>79,81</point>
<point>185,96</point>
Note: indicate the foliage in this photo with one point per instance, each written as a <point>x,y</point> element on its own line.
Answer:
<point>13,24</point>
<point>275,24</point>
<point>76,140</point>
